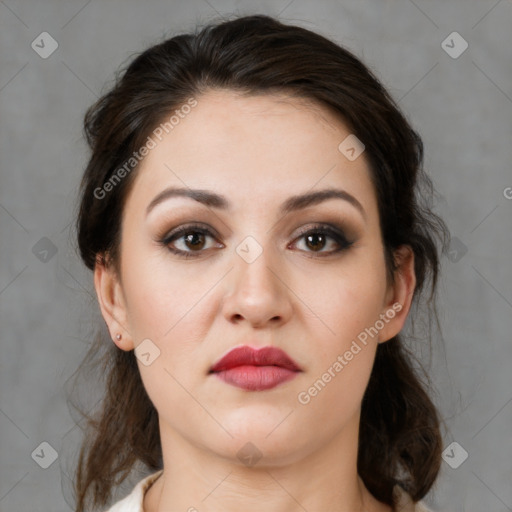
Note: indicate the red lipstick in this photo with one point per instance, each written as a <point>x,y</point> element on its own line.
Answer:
<point>255,370</point>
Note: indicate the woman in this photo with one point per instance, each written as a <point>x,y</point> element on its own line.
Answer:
<point>252,215</point>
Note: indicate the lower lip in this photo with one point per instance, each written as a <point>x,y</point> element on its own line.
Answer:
<point>256,378</point>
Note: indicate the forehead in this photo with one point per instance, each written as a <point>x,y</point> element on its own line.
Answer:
<point>258,148</point>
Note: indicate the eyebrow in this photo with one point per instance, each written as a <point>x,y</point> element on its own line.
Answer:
<point>293,203</point>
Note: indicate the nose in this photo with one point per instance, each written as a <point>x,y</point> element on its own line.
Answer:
<point>257,292</point>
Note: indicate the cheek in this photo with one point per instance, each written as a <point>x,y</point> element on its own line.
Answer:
<point>160,299</point>
<point>351,302</point>
<point>175,310</point>
<point>333,397</point>
<point>349,308</point>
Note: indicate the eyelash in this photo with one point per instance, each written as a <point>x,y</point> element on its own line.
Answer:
<point>323,229</point>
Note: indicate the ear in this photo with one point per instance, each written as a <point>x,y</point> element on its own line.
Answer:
<point>399,294</point>
<point>112,303</point>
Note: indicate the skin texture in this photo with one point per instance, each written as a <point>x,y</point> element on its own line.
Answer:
<point>257,151</point>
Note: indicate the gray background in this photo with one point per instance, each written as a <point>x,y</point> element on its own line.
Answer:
<point>461,106</point>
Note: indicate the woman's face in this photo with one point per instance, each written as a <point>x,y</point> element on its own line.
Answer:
<point>310,279</point>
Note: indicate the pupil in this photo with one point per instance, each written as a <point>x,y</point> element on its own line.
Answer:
<point>192,239</point>
<point>316,236</point>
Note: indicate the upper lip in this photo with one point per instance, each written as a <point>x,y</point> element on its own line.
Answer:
<point>245,355</point>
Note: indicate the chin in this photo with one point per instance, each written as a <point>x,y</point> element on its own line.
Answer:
<point>257,439</point>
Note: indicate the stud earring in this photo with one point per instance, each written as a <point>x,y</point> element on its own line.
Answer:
<point>118,337</point>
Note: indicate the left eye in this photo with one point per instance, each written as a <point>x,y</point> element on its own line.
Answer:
<point>316,240</point>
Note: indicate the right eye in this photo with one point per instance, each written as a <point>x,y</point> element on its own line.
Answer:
<point>191,237</point>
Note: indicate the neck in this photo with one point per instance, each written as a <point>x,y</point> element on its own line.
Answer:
<point>197,480</point>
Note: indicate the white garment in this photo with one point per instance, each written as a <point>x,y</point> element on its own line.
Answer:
<point>133,502</point>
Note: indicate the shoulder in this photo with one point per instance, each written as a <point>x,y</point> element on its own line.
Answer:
<point>133,502</point>
<point>404,502</point>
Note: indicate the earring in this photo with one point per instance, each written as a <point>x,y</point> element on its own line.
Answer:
<point>118,337</point>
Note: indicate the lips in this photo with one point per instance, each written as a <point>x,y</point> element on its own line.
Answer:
<point>247,356</point>
<point>255,370</point>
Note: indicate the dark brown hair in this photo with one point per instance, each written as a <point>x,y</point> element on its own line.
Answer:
<point>400,437</point>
